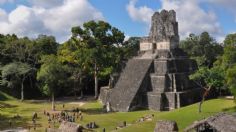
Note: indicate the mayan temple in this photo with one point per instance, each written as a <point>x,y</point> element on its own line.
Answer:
<point>157,79</point>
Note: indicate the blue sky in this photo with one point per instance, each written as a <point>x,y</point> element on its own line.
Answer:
<point>56,17</point>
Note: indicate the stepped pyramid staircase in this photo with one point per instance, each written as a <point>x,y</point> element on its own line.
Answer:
<point>131,81</point>
<point>159,83</point>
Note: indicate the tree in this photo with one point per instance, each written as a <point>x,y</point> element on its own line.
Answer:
<point>76,58</point>
<point>52,75</point>
<point>130,47</point>
<point>203,48</point>
<point>99,39</point>
<point>207,79</point>
<point>228,61</point>
<point>16,72</point>
<point>231,80</point>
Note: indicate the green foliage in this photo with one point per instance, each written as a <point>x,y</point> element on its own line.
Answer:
<point>13,73</point>
<point>230,39</point>
<point>131,47</point>
<point>203,48</point>
<point>213,77</point>
<point>228,61</point>
<point>231,79</point>
<point>100,41</point>
<point>52,75</point>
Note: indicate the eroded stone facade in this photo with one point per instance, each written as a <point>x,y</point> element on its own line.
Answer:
<point>163,34</point>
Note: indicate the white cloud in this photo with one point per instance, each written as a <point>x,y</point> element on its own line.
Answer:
<point>141,14</point>
<point>46,3</point>
<point>57,20</point>
<point>3,15</point>
<point>126,37</point>
<point>191,17</point>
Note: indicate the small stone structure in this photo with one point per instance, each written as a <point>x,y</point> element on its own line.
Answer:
<point>67,127</point>
<point>166,126</point>
<point>221,122</point>
<point>158,78</point>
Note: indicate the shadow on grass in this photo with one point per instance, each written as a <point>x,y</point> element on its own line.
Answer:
<point>231,109</point>
<point>5,105</point>
<point>91,111</point>
<point>16,122</point>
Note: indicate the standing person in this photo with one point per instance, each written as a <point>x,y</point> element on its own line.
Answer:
<point>10,123</point>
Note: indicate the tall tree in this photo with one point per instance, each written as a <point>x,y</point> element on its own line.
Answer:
<point>74,56</point>
<point>203,48</point>
<point>207,79</point>
<point>231,80</point>
<point>100,40</point>
<point>228,62</point>
<point>15,73</point>
<point>52,75</point>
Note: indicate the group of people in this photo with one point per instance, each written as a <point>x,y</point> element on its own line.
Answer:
<point>69,116</point>
<point>91,125</point>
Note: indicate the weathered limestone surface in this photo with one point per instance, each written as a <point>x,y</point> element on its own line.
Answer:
<point>67,127</point>
<point>166,126</point>
<point>164,27</point>
<point>163,33</point>
<point>220,122</point>
<point>130,83</point>
<point>160,82</point>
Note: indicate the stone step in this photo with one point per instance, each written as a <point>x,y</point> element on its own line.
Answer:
<point>129,84</point>
<point>170,82</point>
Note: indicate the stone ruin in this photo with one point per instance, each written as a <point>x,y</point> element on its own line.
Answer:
<point>166,126</point>
<point>67,127</point>
<point>221,122</point>
<point>157,78</point>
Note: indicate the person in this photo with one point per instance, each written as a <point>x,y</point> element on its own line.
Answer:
<point>104,130</point>
<point>10,123</point>
<point>34,121</point>
<point>92,125</point>
<point>35,115</point>
<point>63,106</point>
<point>81,117</point>
<point>124,124</point>
<point>108,107</point>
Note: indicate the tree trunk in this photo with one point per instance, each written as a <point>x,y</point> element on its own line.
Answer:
<point>200,105</point>
<point>81,88</point>
<point>22,90</point>
<point>220,91</point>
<point>96,81</point>
<point>203,98</point>
<point>81,94</point>
<point>75,88</point>
<point>53,103</point>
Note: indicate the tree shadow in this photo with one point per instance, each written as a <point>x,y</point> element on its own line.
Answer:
<point>5,105</point>
<point>231,109</point>
<point>92,111</point>
<point>15,122</point>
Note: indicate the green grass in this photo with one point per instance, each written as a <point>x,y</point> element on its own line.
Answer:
<point>93,112</point>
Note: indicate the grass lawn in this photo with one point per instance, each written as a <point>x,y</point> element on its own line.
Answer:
<point>93,112</point>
